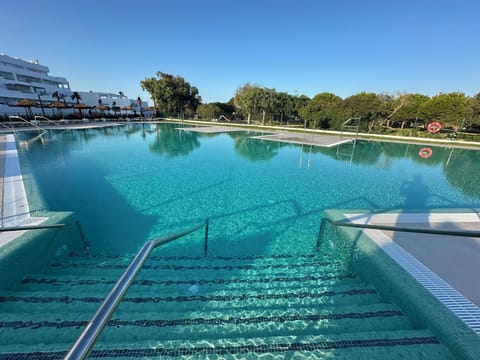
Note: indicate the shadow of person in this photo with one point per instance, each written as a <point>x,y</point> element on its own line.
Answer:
<point>416,193</point>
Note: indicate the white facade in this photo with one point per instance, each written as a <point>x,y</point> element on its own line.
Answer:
<point>20,79</point>
<point>91,98</point>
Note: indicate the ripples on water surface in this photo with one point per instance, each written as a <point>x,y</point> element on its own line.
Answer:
<point>130,183</point>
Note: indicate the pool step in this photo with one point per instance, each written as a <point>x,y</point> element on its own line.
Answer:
<point>209,268</point>
<point>337,294</point>
<point>379,345</point>
<point>198,325</point>
<point>62,284</point>
<point>210,306</point>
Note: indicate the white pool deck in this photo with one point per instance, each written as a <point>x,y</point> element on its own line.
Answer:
<point>447,266</point>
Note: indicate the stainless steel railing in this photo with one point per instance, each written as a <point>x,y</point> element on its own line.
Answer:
<point>88,337</point>
<point>30,227</point>
<point>465,233</point>
<point>31,123</point>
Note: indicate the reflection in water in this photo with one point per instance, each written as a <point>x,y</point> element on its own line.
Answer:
<point>415,192</point>
<point>257,192</point>
<point>172,142</point>
<point>254,149</point>
<point>462,170</point>
<point>459,165</point>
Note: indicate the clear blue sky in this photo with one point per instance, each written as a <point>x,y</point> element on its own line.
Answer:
<point>296,46</point>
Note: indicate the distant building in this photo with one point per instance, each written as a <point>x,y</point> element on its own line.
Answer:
<point>20,79</point>
<point>93,98</point>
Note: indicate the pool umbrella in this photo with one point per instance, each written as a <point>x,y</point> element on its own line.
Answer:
<point>81,106</point>
<point>127,108</point>
<point>58,105</point>
<point>102,108</point>
<point>115,109</point>
<point>27,104</point>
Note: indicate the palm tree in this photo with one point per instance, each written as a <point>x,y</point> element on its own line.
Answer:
<point>57,95</point>
<point>76,96</point>
<point>139,103</point>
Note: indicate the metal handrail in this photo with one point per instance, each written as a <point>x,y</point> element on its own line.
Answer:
<point>88,337</point>
<point>26,121</point>
<point>464,233</point>
<point>40,117</point>
<point>356,127</point>
<point>30,227</point>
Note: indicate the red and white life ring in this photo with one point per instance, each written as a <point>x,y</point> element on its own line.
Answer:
<point>434,127</point>
<point>425,152</point>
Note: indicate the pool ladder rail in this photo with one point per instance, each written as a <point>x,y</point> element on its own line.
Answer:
<point>94,328</point>
<point>464,233</point>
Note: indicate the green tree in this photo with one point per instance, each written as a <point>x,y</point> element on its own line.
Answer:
<point>448,109</point>
<point>323,109</point>
<point>364,105</point>
<point>473,109</point>
<point>172,94</point>
<point>410,106</point>
<point>403,109</point>
<point>283,106</point>
<point>209,111</point>
<point>248,99</point>
<point>267,102</point>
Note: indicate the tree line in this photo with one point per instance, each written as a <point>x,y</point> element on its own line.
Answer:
<point>251,103</point>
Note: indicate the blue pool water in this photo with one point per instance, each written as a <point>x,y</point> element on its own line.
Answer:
<point>131,183</point>
<point>261,290</point>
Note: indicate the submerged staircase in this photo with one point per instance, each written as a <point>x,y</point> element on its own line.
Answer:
<point>294,306</point>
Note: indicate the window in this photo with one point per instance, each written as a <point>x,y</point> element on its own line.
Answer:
<point>40,90</point>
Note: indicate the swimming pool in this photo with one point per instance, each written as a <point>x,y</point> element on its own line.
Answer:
<point>131,183</point>
<point>263,290</point>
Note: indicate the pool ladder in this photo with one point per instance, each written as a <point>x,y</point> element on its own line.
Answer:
<point>347,125</point>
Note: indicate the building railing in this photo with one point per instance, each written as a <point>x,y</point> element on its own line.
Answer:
<point>94,328</point>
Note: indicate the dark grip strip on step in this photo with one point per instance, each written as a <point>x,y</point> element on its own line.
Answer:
<point>221,298</point>
<point>205,321</point>
<point>225,258</point>
<point>56,282</point>
<point>231,350</point>
<point>197,267</point>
